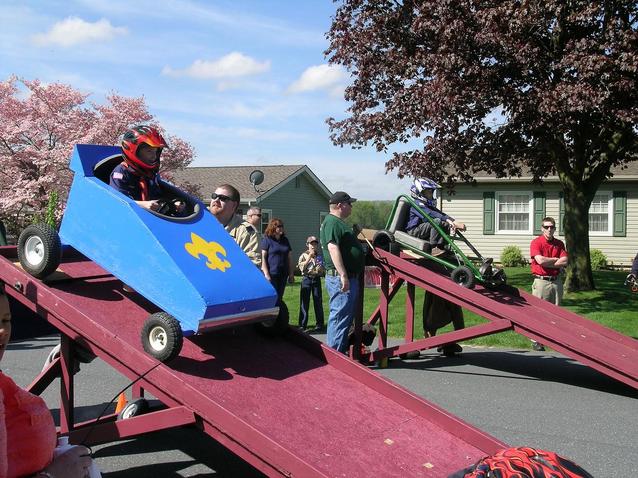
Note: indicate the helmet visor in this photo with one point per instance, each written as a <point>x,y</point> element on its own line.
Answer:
<point>149,155</point>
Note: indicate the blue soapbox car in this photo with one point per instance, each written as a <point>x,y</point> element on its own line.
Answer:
<point>186,264</point>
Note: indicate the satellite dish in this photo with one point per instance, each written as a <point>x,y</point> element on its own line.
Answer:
<point>256,178</point>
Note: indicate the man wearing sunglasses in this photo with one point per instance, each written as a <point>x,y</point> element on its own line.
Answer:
<point>223,205</point>
<point>549,257</point>
<point>253,217</point>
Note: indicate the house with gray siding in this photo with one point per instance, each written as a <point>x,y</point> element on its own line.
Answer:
<point>290,192</point>
<point>508,211</point>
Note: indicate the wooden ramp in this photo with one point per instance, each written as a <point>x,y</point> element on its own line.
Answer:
<point>588,342</point>
<point>289,406</point>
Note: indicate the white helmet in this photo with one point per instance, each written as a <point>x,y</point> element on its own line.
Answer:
<point>420,184</point>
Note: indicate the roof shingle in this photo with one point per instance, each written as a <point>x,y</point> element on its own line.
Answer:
<point>208,178</point>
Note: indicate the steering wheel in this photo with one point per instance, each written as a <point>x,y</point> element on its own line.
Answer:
<point>169,207</point>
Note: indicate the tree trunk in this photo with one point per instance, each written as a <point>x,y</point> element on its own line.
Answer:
<point>576,228</point>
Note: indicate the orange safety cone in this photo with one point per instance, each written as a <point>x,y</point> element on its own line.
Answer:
<point>121,403</point>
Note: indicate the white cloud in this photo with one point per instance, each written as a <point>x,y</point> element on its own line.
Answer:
<point>233,65</point>
<point>320,77</point>
<point>74,30</point>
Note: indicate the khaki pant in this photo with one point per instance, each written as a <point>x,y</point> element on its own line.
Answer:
<point>547,290</point>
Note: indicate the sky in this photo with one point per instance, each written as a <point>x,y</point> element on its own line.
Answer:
<point>245,82</point>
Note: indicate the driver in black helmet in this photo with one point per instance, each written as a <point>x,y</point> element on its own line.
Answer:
<point>137,176</point>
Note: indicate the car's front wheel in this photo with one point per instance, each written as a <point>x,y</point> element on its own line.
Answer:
<point>39,250</point>
<point>162,336</point>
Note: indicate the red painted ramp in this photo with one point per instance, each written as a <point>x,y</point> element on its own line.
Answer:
<point>590,343</point>
<point>289,406</point>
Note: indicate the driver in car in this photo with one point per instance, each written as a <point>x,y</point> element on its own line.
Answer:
<point>137,175</point>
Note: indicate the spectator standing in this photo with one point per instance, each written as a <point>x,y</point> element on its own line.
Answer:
<point>344,259</point>
<point>27,431</point>
<point>276,257</point>
<point>311,265</point>
<point>223,205</point>
<point>549,257</point>
<point>253,218</point>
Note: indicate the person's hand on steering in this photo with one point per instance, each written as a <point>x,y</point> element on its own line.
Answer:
<point>458,225</point>
<point>180,206</point>
<point>150,205</point>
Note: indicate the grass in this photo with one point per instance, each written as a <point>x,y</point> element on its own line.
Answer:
<point>612,304</point>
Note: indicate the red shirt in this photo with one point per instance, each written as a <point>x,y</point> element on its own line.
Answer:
<point>545,248</point>
<point>27,431</point>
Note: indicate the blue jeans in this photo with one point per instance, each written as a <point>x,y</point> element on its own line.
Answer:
<point>310,286</point>
<point>342,309</point>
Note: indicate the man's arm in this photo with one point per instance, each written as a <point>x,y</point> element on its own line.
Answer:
<point>438,214</point>
<point>337,260</point>
<point>545,261</point>
<point>551,262</point>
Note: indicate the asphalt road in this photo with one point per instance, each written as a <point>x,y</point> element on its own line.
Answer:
<point>521,397</point>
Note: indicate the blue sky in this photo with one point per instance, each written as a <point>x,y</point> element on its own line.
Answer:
<point>244,81</point>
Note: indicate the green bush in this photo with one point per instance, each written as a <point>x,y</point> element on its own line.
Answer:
<point>512,257</point>
<point>598,259</point>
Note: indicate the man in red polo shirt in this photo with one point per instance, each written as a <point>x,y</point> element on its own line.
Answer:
<point>548,258</point>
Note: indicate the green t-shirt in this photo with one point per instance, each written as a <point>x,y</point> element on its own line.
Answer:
<point>337,231</point>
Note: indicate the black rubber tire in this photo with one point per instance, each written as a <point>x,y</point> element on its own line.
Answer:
<point>39,250</point>
<point>275,327</point>
<point>464,276</point>
<point>385,240</point>
<point>133,409</point>
<point>498,280</point>
<point>162,336</point>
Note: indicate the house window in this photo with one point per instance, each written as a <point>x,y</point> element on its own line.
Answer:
<point>514,212</point>
<point>600,219</point>
<point>266,214</point>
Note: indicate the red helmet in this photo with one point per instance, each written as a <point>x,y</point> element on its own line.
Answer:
<point>133,138</point>
<point>525,462</point>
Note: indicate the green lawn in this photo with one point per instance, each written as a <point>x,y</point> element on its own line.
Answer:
<point>612,304</point>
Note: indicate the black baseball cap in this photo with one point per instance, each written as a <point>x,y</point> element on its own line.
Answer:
<point>341,196</point>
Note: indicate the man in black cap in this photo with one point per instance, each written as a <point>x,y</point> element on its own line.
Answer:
<point>344,261</point>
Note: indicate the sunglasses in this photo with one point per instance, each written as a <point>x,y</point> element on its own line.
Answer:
<point>258,215</point>
<point>548,227</point>
<point>279,225</point>
<point>221,197</point>
<point>313,242</point>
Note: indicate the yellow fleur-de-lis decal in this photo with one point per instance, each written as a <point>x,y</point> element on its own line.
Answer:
<point>210,250</point>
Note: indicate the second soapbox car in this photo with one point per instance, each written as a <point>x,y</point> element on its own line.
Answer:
<point>463,270</point>
<point>188,266</point>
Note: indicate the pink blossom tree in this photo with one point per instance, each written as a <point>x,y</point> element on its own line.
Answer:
<point>40,124</point>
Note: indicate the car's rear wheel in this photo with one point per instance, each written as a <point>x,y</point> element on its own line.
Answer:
<point>276,326</point>
<point>162,336</point>
<point>464,276</point>
<point>39,250</point>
